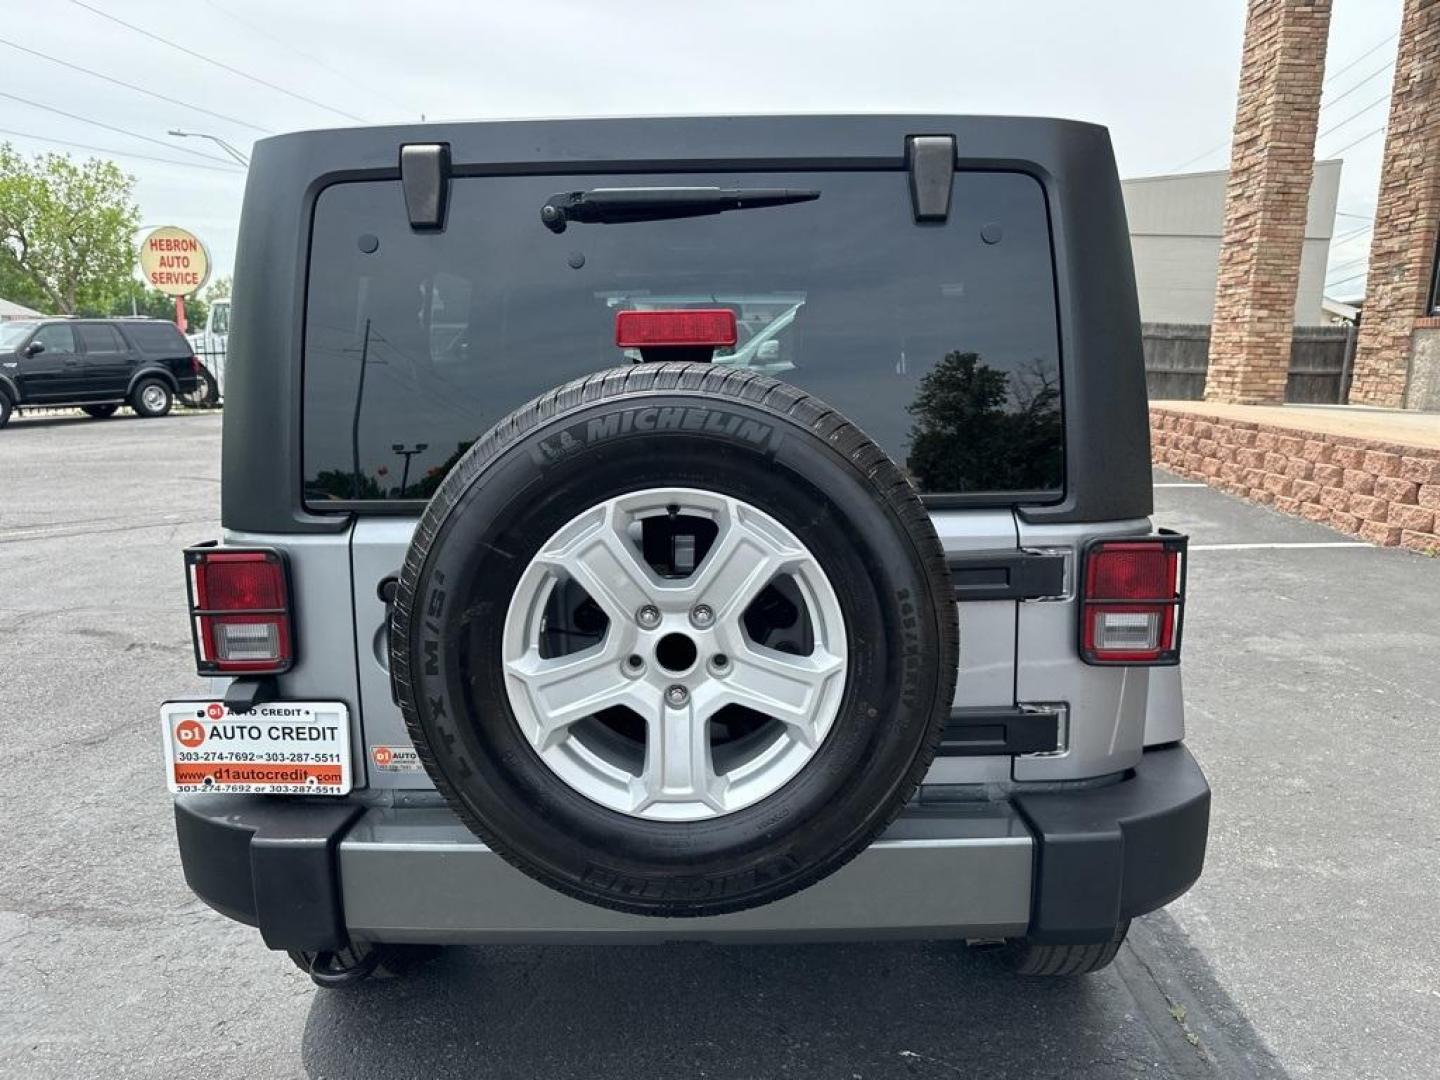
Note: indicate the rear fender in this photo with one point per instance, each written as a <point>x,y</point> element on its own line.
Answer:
<point>157,372</point>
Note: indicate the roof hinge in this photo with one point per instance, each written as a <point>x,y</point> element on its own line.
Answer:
<point>931,160</point>
<point>425,177</point>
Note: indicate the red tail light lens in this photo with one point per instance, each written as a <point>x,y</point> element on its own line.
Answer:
<point>195,364</point>
<point>1134,594</point>
<point>690,327</point>
<point>239,611</point>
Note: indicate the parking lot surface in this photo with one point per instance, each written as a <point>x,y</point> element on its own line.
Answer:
<point>1307,949</point>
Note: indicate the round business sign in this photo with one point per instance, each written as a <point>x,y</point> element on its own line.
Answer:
<point>174,261</point>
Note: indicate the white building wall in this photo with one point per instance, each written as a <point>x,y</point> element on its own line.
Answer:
<point>1175,227</point>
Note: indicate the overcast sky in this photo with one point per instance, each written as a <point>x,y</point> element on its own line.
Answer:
<point>1161,75</point>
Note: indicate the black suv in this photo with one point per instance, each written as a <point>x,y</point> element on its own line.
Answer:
<point>94,364</point>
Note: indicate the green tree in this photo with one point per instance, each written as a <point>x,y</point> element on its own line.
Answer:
<point>980,429</point>
<point>66,231</point>
<point>219,289</point>
<point>136,299</point>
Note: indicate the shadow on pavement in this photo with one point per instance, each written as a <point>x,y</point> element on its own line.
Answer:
<point>908,1009</point>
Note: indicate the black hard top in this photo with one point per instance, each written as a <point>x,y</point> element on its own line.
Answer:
<point>1107,468</point>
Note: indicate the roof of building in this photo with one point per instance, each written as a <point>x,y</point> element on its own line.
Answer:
<point>11,310</point>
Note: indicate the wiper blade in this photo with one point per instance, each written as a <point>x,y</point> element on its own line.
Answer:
<point>610,206</point>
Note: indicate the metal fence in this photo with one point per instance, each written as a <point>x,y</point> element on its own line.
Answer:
<point>211,351</point>
<point>1177,357</point>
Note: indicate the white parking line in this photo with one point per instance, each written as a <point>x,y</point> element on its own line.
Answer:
<point>1179,485</point>
<point>1282,545</point>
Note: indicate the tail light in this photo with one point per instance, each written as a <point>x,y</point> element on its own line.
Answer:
<point>195,364</point>
<point>683,328</point>
<point>240,611</point>
<point>1133,599</point>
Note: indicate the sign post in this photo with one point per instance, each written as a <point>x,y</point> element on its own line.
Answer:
<point>175,262</point>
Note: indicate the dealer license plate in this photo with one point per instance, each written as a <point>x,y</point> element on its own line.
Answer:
<point>283,747</point>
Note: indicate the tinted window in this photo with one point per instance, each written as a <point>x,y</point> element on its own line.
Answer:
<point>939,340</point>
<point>157,337</point>
<point>99,338</point>
<point>57,338</point>
<point>13,333</point>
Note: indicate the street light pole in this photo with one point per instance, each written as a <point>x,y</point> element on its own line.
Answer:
<point>236,154</point>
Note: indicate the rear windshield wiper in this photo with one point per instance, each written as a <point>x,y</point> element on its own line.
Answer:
<point>617,205</point>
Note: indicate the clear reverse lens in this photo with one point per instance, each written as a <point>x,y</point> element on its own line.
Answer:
<point>246,642</point>
<point>1129,631</point>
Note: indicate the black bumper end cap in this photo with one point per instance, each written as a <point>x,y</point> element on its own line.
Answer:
<point>1109,854</point>
<point>269,863</point>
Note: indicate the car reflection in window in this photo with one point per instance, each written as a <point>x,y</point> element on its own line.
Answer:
<point>761,322</point>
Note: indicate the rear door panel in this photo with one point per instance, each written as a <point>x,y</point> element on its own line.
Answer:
<point>987,640</point>
<point>377,551</point>
<point>108,361</point>
<point>1106,705</point>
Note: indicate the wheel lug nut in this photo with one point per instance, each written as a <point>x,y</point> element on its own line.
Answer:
<point>676,696</point>
<point>648,616</point>
<point>702,616</point>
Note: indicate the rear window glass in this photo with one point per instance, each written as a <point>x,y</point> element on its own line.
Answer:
<point>940,341</point>
<point>157,337</point>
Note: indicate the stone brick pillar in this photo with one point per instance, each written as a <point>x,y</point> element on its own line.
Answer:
<point>1271,162</point>
<point>1399,347</point>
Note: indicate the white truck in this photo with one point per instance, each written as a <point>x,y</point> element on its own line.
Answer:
<point>210,346</point>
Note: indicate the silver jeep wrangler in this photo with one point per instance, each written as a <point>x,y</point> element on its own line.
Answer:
<point>696,528</point>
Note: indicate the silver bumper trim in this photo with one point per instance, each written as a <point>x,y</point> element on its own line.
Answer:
<point>959,870</point>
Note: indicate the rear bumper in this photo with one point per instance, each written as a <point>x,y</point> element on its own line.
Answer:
<point>1063,866</point>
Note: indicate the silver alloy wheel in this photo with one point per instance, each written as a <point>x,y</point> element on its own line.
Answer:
<point>679,778</point>
<point>153,397</point>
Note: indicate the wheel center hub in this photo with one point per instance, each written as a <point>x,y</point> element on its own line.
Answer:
<point>676,653</point>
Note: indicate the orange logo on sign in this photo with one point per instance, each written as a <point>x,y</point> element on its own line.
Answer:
<point>215,711</point>
<point>383,756</point>
<point>190,733</point>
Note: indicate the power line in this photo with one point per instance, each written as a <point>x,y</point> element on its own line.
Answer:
<point>1348,263</point>
<point>1330,79</point>
<point>216,63</point>
<point>137,89</point>
<point>1200,157</point>
<point>1378,71</point>
<point>307,56</point>
<point>1343,237</point>
<point>1368,135</point>
<point>1354,115</point>
<point>1368,52</point>
<point>111,127</point>
<point>1345,281</point>
<point>120,153</point>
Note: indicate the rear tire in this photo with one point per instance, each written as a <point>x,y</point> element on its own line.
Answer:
<point>206,394</point>
<point>152,398</point>
<point>99,412</point>
<point>1025,958</point>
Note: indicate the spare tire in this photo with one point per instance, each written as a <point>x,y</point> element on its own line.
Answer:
<point>675,639</point>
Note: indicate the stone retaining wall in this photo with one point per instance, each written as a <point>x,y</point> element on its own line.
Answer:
<point>1386,493</point>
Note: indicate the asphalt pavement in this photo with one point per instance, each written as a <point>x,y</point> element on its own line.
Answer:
<point>1307,950</point>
